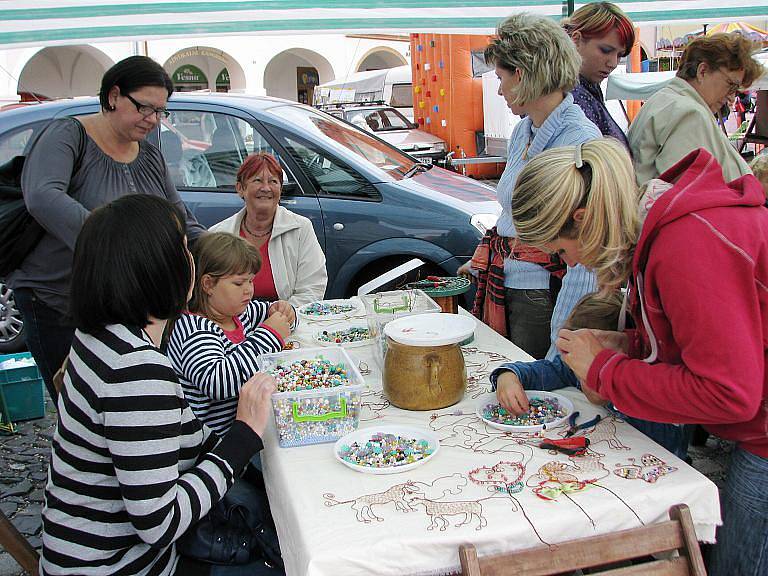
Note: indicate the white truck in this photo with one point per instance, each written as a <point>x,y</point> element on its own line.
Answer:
<point>392,86</point>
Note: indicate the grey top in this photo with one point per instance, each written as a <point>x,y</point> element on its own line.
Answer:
<point>61,209</point>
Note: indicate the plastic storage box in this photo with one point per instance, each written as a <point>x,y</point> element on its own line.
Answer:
<point>22,389</point>
<point>383,307</point>
<point>319,415</point>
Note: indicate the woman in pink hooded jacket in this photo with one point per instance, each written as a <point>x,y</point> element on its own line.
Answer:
<point>694,252</point>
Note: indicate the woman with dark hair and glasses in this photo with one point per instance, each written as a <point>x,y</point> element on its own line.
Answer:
<point>76,166</point>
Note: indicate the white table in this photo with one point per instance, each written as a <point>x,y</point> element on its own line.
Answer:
<point>479,488</point>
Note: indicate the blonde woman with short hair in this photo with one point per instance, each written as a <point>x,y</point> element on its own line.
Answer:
<point>680,117</point>
<point>694,250</point>
<point>537,65</point>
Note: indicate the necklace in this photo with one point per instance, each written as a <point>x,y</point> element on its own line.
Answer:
<point>245,227</point>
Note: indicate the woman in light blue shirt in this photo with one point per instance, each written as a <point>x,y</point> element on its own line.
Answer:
<point>538,66</point>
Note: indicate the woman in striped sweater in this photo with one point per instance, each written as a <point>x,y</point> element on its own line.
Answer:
<point>132,468</point>
<point>214,345</point>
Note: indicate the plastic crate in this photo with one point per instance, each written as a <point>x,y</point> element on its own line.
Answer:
<point>383,307</point>
<point>319,415</point>
<point>23,390</point>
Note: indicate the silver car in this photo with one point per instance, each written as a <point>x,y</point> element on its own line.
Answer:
<point>391,126</point>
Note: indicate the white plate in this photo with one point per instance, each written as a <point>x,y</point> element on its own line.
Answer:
<point>430,329</point>
<point>357,310</point>
<point>341,326</point>
<point>486,399</point>
<point>364,434</point>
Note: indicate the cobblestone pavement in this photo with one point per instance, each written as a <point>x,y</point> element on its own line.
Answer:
<point>24,464</point>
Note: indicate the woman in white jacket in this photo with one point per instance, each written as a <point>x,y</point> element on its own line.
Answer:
<point>293,263</point>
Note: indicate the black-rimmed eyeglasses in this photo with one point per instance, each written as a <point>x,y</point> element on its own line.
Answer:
<point>146,110</point>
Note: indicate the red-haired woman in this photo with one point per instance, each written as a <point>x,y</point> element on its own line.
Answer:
<point>293,263</point>
<point>603,34</point>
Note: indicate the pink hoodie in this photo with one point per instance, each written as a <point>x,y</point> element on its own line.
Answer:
<point>699,297</point>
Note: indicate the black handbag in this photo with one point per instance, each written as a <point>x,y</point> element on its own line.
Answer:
<point>237,530</point>
<point>19,231</point>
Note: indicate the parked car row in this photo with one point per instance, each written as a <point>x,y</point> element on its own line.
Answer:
<point>372,205</point>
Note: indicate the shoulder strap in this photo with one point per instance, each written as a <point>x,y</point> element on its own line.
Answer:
<point>80,146</point>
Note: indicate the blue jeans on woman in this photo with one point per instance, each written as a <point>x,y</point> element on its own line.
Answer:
<point>48,333</point>
<point>742,540</point>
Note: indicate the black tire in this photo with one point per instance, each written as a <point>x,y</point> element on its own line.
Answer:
<point>11,325</point>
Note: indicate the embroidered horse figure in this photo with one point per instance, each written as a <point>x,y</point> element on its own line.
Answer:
<point>363,505</point>
<point>603,431</point>
<point>437,511</point>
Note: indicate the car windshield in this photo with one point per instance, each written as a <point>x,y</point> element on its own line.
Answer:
<point>342,135</point>
<point>378,120</point>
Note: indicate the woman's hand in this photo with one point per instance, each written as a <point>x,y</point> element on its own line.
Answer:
<point>511,394</point>
<point>578,349</point>
<point>279,323</point>
<point>465,271</point>
<point>283,308</point>
<point>254,404</point>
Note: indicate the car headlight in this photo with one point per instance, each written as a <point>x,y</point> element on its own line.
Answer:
<point>483,222</point>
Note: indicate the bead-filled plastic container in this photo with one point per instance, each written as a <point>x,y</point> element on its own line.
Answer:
<point>316,414</point>
<point>383,307</point>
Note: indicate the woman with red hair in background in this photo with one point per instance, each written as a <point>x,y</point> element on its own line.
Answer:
<point>292,261</point>
<point>603,34</point>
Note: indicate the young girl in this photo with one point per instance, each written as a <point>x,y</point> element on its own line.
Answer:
<point>214,345</point>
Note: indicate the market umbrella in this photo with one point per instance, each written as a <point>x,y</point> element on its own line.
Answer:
<point>744,28</point>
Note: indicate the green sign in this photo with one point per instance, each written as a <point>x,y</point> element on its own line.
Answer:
<point>189,74</point>
<point>223,78</point>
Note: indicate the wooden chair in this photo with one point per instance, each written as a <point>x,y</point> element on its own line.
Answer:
<point>17,546</point>
<point>676,534</point>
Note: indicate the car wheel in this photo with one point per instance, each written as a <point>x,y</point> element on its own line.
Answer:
<point>11,324</point>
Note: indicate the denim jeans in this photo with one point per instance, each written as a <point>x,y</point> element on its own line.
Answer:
<point>529,313</point>
<point>742,540</point>
<point>49,335</point>
<point>673,438</point>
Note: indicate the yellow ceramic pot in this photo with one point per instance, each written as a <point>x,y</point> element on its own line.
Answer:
<point>424,377</point>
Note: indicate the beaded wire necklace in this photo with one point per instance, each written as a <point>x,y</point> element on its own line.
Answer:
<point>245,227</point>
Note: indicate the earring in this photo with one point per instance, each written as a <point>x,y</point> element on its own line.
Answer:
<point>112,108</point>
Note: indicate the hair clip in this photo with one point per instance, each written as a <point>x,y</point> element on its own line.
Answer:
<point>577,156</point>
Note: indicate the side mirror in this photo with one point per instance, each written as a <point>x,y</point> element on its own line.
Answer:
<point>413,125</point>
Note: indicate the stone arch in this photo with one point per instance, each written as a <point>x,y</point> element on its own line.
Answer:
<point>379,58</point>
<point>285,72</point>
<point>211,61</point>
<point>63,72</point>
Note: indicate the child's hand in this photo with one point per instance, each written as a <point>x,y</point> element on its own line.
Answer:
<point>578,349</point>
<point>511,394</point>
<point>254,405</point>
<point>279,323</point>
<point>283,308</point>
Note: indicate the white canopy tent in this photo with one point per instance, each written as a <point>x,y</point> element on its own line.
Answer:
<point>57,22</point>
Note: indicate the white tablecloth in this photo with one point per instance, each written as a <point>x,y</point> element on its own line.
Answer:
<point>479,488</point>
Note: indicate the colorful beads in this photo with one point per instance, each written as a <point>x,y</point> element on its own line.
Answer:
<point>309,375</point>
<point>541,411</point>
<point>354,334</point>
<point>386,451</point>
<point>325,309</point>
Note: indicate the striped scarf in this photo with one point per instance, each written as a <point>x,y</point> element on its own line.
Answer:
<point>488,261</point>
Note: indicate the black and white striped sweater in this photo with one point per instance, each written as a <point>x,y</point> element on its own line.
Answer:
<point>131,467</point>
<point>212,368</point>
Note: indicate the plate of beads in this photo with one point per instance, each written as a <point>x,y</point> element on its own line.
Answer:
<point>331,309</point>
<point>348,336</point>
<point>386,449</point>
<point>547,410</point>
